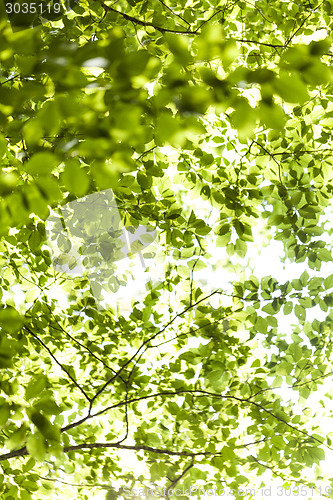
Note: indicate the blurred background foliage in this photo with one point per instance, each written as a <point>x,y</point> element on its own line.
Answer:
<point>207,119</point>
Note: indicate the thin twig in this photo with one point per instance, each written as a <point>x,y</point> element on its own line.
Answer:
<point>58,362</point>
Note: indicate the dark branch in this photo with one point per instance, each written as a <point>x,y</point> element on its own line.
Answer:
<point>174,13</point>
<point>273,45</point>
<point>90,446</point>
<point>108,382</point>
<point>162,30</point>
<point>298,29</point>
<point>86,348</point>
<point>58,362</point>
<point>201,393</point>
<point>144,23</point>
<point>175,481</point>
<point>158,451</point>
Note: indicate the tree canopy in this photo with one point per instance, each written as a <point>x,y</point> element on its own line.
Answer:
<point>205,129</point>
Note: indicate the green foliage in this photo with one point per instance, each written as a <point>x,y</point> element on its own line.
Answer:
<point>211,122</point>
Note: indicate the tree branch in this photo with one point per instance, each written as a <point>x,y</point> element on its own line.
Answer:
<point>158,451</point>
<point>175,481</point>
<point>86,348</point>
<point>298,29</point>
<point>180,32</point>
<point>108,382</point>
<point>22,452</point>
<point>58,362</point>
<point>273,45</point>
<point>144,23</point>
<point>174,13</point>
<point>202,393</point>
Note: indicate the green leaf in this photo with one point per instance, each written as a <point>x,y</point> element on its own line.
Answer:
<point>36,447</point>
<point>290,88</point>
<point>288,307</point>
<point>35,240</point>
<point>35,386</point>
<point>16,439</point>
<point>317,453</point>
<point>300,312</point>
<point>269,309</point>
<point>324,254</point>
<point>244,119</point>
<point>41,164</point>
<point>144,180</point>
<point>10,320</point>
<point>261,325</point>
<point>328,282</point>
<point>4,414</point>
<point>74,178</point>
<point>304,278</point>
<point>8,181</point>
<point>48,430</point>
